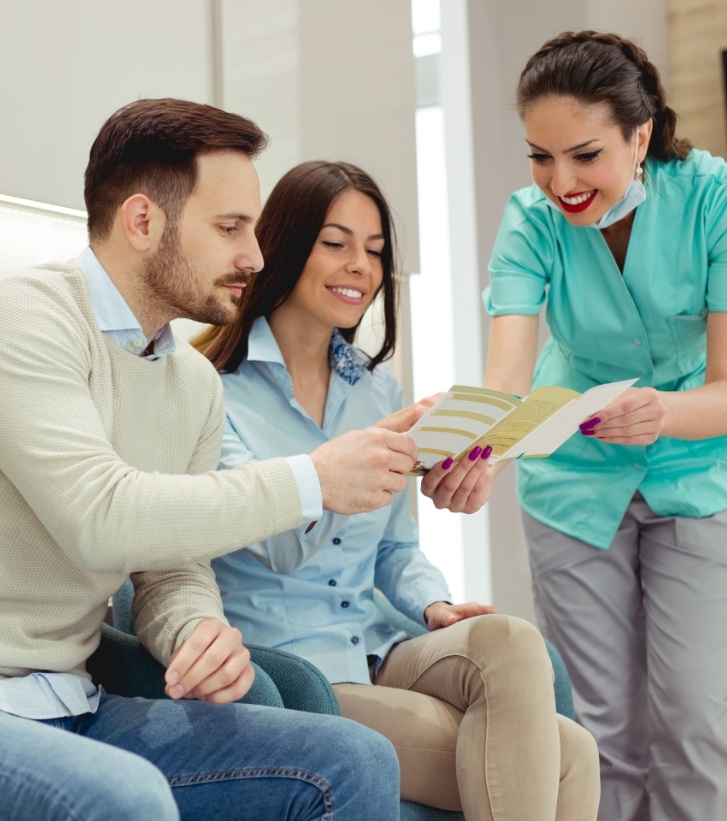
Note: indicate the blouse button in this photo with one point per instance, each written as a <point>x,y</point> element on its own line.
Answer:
<point>344,604</point>
<point>354,639</point>
<point>332,582</point>
<point>336,540</point>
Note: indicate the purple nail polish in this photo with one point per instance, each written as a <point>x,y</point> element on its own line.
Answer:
<point>474,453</point>
<point>447,463</point>
<point>591,423</point>
<point>486,452</point>
<point>588,432</point>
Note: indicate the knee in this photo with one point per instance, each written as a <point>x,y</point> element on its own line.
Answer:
<point>374,754</point>
<point>147,796</point>
<point>151,799</point>
<point>515,641</point>
<point>579,760</point>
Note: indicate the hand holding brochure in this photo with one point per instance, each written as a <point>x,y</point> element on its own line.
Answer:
<point>532,427</point>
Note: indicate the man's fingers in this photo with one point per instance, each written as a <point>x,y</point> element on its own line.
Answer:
<point>187,655</point>
<point>205,653</point>
<point>359,470</point>
<point>227,677</point>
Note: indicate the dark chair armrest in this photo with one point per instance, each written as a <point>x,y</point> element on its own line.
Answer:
<point>301,684</point>
<point>125,668</point>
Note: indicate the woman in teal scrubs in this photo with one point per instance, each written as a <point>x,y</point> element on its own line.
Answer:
<point>623,238</point>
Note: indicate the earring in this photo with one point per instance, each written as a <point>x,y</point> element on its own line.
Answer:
<point>638,171</point>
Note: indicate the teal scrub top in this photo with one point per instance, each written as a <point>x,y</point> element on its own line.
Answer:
<point>649,322</point>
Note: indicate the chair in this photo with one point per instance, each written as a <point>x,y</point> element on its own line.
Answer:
<point>299,684</point>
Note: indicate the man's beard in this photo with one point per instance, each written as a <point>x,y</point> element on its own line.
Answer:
<point>173,285</point>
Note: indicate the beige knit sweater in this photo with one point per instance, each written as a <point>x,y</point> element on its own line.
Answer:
<point>107,468</point>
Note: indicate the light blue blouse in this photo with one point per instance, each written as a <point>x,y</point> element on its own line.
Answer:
<point>312,594</point>
<point>649,322</point>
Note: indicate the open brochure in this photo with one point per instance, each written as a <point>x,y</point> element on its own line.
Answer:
<point>531,427</point>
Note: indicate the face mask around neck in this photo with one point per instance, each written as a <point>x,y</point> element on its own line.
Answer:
<point>634,196</point>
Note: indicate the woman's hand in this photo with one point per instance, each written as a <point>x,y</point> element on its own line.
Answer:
<point>635,418</point>
<point>463,488</point>
<point>441,614</point>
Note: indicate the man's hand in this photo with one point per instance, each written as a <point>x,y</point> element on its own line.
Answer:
<point>402,420</point>
<point>634,418</point>
<point>440,614</point>
<point>212,665</point>
<point>359,470</point>
<point>463,488</point>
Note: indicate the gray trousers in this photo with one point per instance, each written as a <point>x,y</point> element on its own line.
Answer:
<point>642,628</point>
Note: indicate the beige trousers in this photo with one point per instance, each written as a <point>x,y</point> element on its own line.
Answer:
<point>470,710</point>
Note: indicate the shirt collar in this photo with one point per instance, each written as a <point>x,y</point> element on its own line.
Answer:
<point>263,347</point>
<point>112,311</point>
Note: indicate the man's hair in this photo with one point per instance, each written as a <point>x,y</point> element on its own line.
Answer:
<point>151,147</point>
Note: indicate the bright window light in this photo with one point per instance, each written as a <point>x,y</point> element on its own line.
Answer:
<point>34,232</point>
<point>426,23</point>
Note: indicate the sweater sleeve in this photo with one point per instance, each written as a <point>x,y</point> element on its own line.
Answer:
<point>104,513</point>
<point>169,604</point>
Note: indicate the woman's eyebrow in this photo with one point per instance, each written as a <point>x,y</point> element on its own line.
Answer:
<point>347,230</point>
<point>565,150</point>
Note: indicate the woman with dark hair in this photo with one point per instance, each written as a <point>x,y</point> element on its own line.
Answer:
<point>469,706</point>
<point>623,237</point>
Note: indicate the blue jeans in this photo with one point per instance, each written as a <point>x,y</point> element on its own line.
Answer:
<point>232,761</point>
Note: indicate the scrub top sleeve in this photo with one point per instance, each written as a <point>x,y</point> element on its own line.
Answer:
<point>521,260</point>
<point>717,244</point>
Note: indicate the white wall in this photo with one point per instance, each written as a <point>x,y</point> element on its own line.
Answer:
<point>66,65</point>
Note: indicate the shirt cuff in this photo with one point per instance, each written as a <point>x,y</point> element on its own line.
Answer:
<point>309,487</point>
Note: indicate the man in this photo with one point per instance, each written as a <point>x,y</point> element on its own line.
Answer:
<point>110,436</point>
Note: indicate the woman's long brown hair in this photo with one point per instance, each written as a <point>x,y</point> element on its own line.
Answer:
<point>287,230</point>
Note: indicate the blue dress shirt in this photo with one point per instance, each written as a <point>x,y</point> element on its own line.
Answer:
<point>312,593</point>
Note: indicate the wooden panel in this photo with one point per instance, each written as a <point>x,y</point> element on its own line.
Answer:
<point>697,35</point>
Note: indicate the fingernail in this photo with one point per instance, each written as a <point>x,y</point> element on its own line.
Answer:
<point>588,432</point>
<point>447,463</point>
<point>591,423</point>
<point>474,453</point>
<point>172,677</point>
<point>486,452</point>
<point>177,691</point>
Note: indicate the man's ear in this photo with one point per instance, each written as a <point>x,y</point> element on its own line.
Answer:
<point>142,222</point>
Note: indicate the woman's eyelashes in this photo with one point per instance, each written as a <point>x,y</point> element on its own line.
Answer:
<point>589,157</point>
<point>372,252</point>
<point>585,159</point>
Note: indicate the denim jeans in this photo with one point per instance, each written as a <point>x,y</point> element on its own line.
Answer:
<point>232,761</point>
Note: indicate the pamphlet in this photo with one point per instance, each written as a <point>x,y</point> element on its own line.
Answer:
<point>532,427</point>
